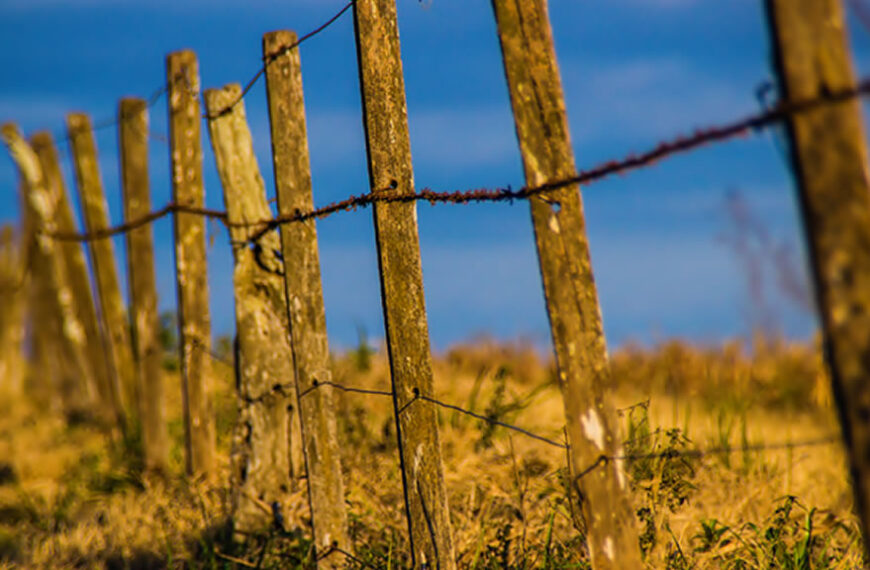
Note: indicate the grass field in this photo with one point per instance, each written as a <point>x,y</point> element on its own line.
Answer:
<point>69,500</point>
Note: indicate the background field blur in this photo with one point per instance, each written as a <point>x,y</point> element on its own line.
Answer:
<point>68,501</point>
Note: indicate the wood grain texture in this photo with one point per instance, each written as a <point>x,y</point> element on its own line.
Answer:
<point>385,118</point>
<point>829,158</point>
<point>304,292</point>
<point>569,286</point>
<point>265,383</point>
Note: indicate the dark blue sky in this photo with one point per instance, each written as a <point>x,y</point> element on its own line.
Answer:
<point>634,71</point>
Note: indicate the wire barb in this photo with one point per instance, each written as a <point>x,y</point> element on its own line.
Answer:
<point>676,145</point>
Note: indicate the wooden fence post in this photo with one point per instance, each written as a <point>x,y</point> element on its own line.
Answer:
<point>66,331</point>
<point>265,382</point>
<point>79,281</point>
<point>307,315</point>
<point>194,321</point>
<point>12,287</point>
<point>390,170</point>
<point>829,158</point>
<point>572,301</point>
<point>102,252</point>
<point>142,282</point>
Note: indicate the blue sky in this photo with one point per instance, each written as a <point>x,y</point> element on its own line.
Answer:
<point>634,71</point>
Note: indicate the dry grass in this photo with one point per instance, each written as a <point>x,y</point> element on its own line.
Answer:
<point>75,502</point>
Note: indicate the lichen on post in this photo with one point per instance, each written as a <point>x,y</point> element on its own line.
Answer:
<point>191,272</point>
<point>385,118</point>
<point>569,286</point>
<point>304,290</point>
<point>265,383</point>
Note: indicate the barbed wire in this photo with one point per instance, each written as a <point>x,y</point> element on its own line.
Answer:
<point>603,459</point>
<point>157,94</point>
<point>600,461</point>
<point>634,161</point>
<point>268,59</point>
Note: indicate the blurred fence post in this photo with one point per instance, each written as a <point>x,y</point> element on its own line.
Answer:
<point>194,322</point>
<point>829,158</point>
<point>390,171</point>
<point>79,281</point>
<point>304,291</point>
<point>142,283</point>
<point>265,383</point>
<point>13,277</point>
<point>95,213</point>
<point>65,335</point>
<point>572,301</point>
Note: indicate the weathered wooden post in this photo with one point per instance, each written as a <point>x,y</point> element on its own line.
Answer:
<point>102,252</point>
<point>266,386</point>
<point>79,281</point>
<point>142,282</point>
<point>67,332</point>
<point>194,322</point>
<point>572,301</point>
<point>829,158</point>
<point>304,289</point>
<point>12,287</point>
<point>390,170</point>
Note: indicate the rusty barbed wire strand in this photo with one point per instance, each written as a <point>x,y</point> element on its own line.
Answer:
<point>317,384</point>
<point>420,396</point>
<point>270,58</point>
<point>601,460</point>
<point>700,453</point>
<point>634,161</point>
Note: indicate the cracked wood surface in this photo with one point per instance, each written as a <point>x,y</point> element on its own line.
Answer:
<point>304,293</point>
<point>389,160</point>
<point>261,462</point>
<point>829,157</point>
<point>569,286</point>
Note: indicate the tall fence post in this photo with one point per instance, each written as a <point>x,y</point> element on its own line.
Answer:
<point>79,281</point>
<point>66,331</point>
<point>390,170</point>
<point>265,382</point>
<point>572,301</point>
<point>96,217</point>
<point>142,282</point>
<point>304,290</point>
<point>194,322</point>
<point>829,158</point>
<point>12,286</point>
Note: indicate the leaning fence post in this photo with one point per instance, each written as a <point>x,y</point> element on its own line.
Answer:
<point>266,385</point>
<point>390,171</point>
<point>78,280</point>
<point>305,296</point>
<point>194,322</point>
<point>572,301</point>
<point>133,139</point>
<point>829,158</point>
<point>60,314</point>
<point>94,210</point>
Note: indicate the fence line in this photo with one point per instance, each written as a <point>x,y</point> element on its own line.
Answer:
<point>633,161</point>
<point>693,453</point>
<point>528,59</point>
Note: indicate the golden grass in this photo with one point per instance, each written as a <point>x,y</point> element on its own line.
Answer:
<point>77,503</point>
